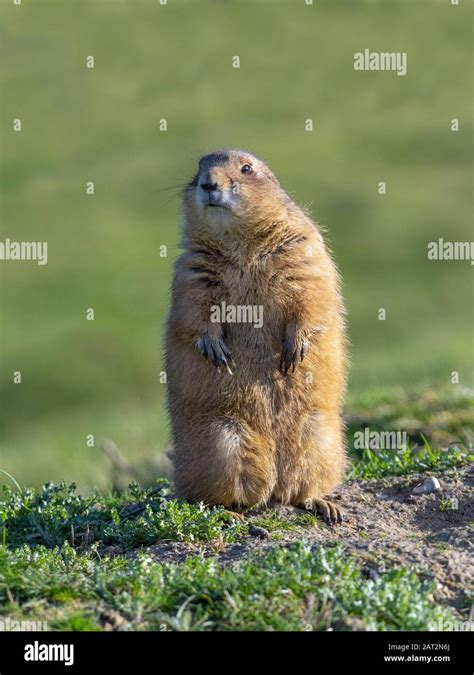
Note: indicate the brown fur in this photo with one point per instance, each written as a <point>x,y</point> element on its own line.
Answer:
<point>258,434</point>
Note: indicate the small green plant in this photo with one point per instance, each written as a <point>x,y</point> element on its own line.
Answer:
<point>448,504</point>
<point>371,465</point>
<point>443,547</point>
<point>56,514</point>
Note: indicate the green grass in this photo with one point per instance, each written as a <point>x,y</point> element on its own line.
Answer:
<point>407,461</point>
<point>56,514</point>
<point>438,423</point>
<point>444,415</point>
<point>290,588</point>
<point>277,526</point>
<point>101,377</point>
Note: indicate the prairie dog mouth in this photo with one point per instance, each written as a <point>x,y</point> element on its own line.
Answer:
<point>219,206</point>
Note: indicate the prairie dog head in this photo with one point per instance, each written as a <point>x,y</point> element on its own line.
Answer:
<point>231,189</point>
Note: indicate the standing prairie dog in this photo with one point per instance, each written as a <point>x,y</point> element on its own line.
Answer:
<point>255,345</point>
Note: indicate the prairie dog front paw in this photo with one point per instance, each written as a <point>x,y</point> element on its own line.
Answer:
<point>215,350</point>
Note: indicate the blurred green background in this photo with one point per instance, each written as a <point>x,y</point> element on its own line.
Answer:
<point>152,62</point>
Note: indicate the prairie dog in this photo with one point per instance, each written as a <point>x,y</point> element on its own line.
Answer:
<point>255,345</point>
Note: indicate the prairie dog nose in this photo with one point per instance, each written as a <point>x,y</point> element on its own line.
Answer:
<point>209,187</point>
<point>209,180</point>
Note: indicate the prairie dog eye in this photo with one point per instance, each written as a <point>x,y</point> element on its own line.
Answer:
<point>246,168</point>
